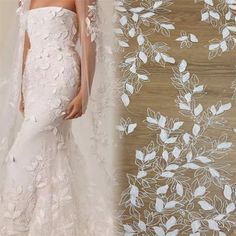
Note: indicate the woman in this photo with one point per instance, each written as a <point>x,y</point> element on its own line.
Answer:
<point>44,181</point>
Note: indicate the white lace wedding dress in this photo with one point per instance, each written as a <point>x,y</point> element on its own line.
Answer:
<point>41,194</point>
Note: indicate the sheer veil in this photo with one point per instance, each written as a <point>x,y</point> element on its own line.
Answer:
<point>93,132</point>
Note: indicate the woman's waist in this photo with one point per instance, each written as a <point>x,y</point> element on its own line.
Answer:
<point>53,51</point>
<point>41,47</point>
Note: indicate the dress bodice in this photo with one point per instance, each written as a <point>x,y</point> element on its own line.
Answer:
<point>52,27</point>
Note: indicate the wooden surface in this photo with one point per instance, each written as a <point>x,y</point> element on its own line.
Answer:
<point>159,94</point>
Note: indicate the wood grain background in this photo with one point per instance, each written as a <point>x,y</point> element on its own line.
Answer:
<point>159,94</point>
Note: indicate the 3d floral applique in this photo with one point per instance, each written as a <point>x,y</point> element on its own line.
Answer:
<point>45,85</point>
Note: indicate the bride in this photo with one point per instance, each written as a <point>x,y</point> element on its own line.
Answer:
<point>44,185</point>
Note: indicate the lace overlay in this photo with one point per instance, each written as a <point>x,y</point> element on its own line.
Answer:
<point>40,194</point>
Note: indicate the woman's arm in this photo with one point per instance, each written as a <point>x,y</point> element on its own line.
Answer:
<point>26,48</point>
<point>88,58</point>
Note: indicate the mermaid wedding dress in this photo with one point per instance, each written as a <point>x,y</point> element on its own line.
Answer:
<point>42,190</point>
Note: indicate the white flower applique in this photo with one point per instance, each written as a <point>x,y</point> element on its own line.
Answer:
<point>91,22</point>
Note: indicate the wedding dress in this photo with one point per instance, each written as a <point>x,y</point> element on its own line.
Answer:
<point>45,177</point>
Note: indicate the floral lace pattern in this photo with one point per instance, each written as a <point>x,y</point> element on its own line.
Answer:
<point>177,172</point>
<point>184,180</point>
<point>41,190</point>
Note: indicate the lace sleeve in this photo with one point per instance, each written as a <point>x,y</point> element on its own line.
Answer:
<point>86,10</point>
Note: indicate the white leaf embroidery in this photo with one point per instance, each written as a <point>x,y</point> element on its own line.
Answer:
<point>131,128</point>
<point>129,88</point>
<point>143,77</point>
<point>213,225</point>
<point>148,14</point>
<point>186,138</point>
<point>209,2</point>
<point>172,167</point>
<point>159,231</point>
<point>168,26</point>
<point>143,57</point>
<point>157,4</point>
<point>167,58</point>
<point>191,166</point>
<point>198,110</point>
<point>182,66</point>
<point>224,108</point>
<point>198,89</point>
<point>214,14</point>
<point>225,32</point>
<point>163,135</point>
<point>171,140</point>
<point>134,191</point>
<point>159,206</point>
<point>176,152</point>
<point>123,44</point>
<point>152,120</point>
<point>195,226</point>
<point>170,223</point>
<point>219,217</point>
<point>133,68</point>
<point>162,121</point>
<point>203,159</point>
<point>142,225</point>
<point>139,155</point>
<point>177,125</point>
<point>140,40</point>
<point>205,205</point>
<point>214,172</point>
<point>132,32</point>
<point>200,191</point>
<point>125,99</point>
<point>137,9</point>
<point>165,155</point>
<point>162,189</point>
<point>196,129</point>
<point>193,38</point>
<point>205,16</point>
<point>186,77</point>
<point>184,106</point>
<point>150,156</point>
<point>179,189</point>
<point>170,204</point>
<point>225,145</point>
<point>167,174</point>
<point>189,156</point>
<point>227,192</point>
<point>128,229</point>
<point>230,208</point>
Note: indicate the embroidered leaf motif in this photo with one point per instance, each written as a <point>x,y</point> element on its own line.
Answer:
<point>162,189</point>
<point>205,205</point>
